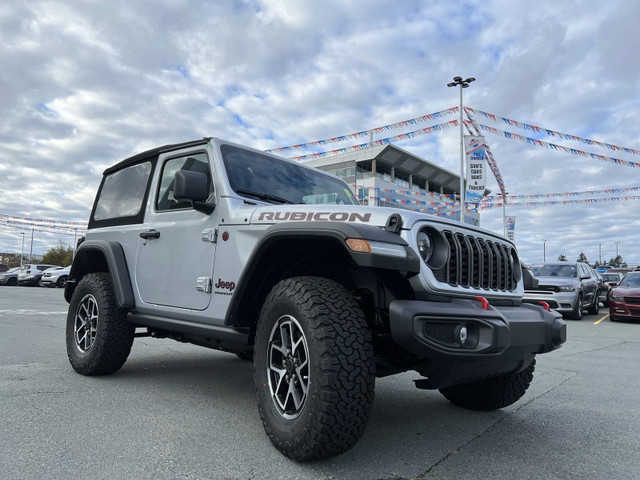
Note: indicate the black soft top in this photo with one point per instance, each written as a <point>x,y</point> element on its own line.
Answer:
<point>152,153</point>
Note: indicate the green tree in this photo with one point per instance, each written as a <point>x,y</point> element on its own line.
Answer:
<point>562,257</point>
<point>618,262</point>
<point>61,255</point>
<point>582,258</point>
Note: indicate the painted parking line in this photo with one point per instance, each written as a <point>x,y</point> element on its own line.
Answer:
<point>22,311</point>
<point>600,319</point>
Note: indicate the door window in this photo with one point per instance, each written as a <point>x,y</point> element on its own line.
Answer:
<point>195,162</point>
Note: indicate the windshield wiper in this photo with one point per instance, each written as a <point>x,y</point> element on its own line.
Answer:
<point>263,196</point>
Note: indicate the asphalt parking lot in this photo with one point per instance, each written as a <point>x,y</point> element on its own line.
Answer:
<point>177,411</point>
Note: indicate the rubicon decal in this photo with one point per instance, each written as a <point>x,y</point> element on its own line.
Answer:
<point>315,217</point>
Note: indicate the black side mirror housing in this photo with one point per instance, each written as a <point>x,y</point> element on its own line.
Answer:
<point>193,186</point>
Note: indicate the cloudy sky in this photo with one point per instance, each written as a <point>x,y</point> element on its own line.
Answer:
<point>84,84</point>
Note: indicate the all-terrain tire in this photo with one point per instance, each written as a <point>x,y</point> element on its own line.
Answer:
<point>491,394</point>
<point>98,335</point>
<point>314,368</point>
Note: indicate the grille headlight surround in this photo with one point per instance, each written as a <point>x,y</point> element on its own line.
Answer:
<point>432,247</point>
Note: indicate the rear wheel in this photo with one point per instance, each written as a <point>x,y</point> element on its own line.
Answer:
<point>314,368</point>
<point>595,306</point>
<point>491,394</point>
<point>62,281</point>
<point>98,335</point>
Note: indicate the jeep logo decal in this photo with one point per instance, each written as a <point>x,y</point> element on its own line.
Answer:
<point>315,216</point>
<point>225,285</point>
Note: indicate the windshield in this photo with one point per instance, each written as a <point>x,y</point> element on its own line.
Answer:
<point>262,177</point>
<point>568,271</point>
<point>610,277</point>
<point>630,280</point>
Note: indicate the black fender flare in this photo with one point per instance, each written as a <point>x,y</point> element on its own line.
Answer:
<point>99,256</point>
<point>335,231</point>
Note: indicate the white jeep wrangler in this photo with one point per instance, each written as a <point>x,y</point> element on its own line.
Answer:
<point>230,248</point>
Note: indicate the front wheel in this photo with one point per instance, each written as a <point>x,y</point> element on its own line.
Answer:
<point>491,394</point>
<point>98,335</point>
<point>576,314</point>
<point>314,368</point>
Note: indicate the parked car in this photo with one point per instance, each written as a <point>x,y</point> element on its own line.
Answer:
<point>10,277</point>
<point>4,267</point>
<point>624,302</point>
<point>566,287</point>
<point>55,277</point>
<point>610,279</point>
<point>603,288</point>
<point>31,274</point>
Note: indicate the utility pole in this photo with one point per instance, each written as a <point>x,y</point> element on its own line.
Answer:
<point>457,81</point>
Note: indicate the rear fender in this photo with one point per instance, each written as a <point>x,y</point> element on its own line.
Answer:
<point>102,256</point>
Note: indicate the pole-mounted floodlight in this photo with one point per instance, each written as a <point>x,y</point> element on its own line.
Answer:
<point>457,81</point>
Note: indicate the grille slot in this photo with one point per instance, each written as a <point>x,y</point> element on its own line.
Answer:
<point>477,262</point>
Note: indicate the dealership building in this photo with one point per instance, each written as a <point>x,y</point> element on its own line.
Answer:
<point>390,176</point>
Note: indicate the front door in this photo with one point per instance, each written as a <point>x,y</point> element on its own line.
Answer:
<point>175,249</point>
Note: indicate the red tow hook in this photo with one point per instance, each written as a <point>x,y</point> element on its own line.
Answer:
<point>484,301</point>
<point>544,305</point>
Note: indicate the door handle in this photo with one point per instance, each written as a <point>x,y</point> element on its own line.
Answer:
<point>150,234</point>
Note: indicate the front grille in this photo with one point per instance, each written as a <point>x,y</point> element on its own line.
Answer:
<point>478,263</point>
<point>632,300</point>
<point>548,288</point>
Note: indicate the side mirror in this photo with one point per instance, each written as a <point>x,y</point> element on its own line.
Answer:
<point>613,284</point>
<point>193,186</point>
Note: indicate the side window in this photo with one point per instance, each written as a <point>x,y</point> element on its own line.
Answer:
<point>123,192</point>
<point>196,162</point>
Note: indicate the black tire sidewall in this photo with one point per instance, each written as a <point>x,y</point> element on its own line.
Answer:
<point>114,335</point>
<point>287,430</point>
<point>341,370</point>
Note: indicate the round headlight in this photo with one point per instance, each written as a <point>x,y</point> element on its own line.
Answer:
<point>424,246</point>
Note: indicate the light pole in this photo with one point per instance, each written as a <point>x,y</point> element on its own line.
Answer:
<point>504,211</point>
<point>544,250</point>
<point>617,243</point>
<point>458,81</point>
<point>22,250</point>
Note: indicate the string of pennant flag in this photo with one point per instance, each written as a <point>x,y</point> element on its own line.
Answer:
<point>374,131</point>
<point>535,128</point>
<point>494,198</point>
<point>384,141</point>
<point>558,202</point>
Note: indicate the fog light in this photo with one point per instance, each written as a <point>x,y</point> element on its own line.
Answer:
<point>463,335</point>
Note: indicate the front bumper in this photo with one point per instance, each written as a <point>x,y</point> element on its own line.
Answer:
<point>29,280</point>
<point>563,302</point>
<point>496,340</point>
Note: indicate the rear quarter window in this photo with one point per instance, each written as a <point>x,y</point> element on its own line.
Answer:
<point>121,198</point>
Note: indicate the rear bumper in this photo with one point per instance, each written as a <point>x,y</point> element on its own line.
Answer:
<point>498,340</point>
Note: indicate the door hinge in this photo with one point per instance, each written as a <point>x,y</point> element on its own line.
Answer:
<point>210,235</point>
<point>203,284</point>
